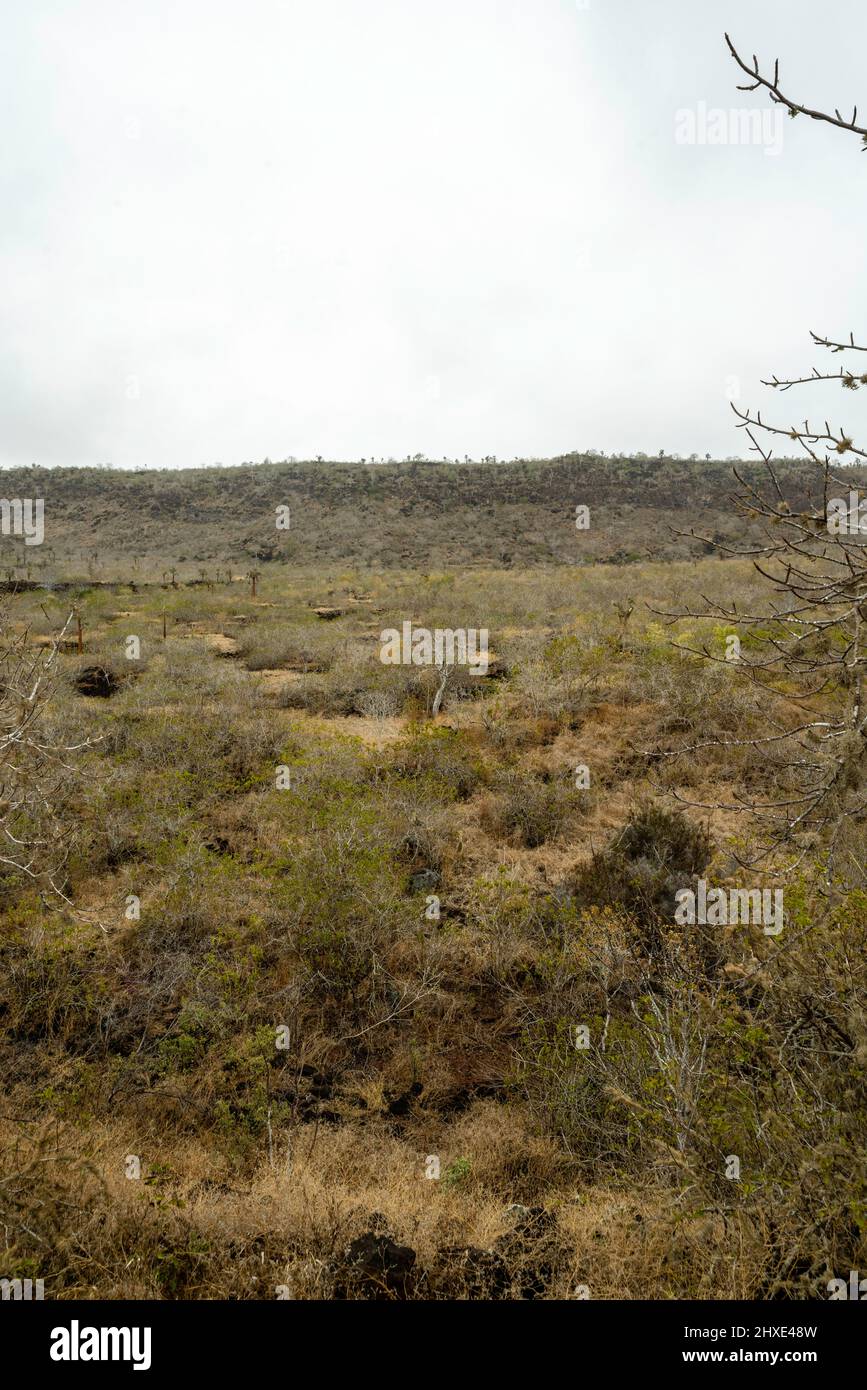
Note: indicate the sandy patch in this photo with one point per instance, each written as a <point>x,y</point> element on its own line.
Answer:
<point>220,643</point>
<point>374,733</point>
<point>273,681</point>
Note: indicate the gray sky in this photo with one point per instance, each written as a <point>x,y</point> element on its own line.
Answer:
<point>381,227</point>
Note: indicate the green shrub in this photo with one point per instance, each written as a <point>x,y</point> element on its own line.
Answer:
<point>645,864</point>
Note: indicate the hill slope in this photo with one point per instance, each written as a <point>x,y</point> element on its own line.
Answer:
<point>410,515</point>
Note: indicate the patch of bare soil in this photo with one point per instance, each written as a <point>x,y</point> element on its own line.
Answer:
<point>64,644</point>
<point>273,681</point>
<point>374,733</point>
<point>221,643</point>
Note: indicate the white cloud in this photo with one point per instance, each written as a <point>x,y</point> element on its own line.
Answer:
<point>351,229</point>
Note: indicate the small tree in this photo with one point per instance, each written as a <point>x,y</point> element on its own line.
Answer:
<point>34,768</point>
<point>809,642</point>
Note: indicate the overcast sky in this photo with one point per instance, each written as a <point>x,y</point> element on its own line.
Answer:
<point>380,227</point>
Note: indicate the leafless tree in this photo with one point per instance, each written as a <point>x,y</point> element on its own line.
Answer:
<point>794,108</point>
<point>445,673</point>
<point>804,653</point>
<point>34,767</point>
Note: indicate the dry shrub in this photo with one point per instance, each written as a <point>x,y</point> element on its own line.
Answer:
<point>655,853</point>
<point>442,759</point>
<point>529,811</point>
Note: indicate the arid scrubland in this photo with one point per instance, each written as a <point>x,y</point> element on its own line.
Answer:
<point>333,996</point>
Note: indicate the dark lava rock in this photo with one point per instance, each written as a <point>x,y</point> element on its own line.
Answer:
<point>96,680</point>
<point>470,1272</point>
<point>532,1250</point>
<point>425,881</point>
<point>375,1266</point>
<point>402,1104</point>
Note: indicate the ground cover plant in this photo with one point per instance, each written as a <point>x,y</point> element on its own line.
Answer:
<point>334,994</point>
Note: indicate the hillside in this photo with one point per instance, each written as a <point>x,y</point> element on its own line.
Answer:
<point>332,978</point>
<point>295,1000</point>
<point>119,525</point>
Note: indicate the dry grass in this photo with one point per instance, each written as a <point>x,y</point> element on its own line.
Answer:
<point>414,1035</point>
